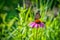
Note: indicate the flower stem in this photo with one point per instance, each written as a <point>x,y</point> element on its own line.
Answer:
<point>36,33</point>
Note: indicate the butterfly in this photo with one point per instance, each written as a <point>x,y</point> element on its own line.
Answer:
<point>37,16</point>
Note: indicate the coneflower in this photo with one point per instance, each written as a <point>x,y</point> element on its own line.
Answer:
<point>37,23</point>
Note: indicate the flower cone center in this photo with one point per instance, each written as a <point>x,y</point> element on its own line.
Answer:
<point>37,21</point>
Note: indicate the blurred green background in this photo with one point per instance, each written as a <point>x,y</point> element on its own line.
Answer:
<point>15,15</point>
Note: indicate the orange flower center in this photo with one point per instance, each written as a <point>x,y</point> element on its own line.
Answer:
<point>37,21</point>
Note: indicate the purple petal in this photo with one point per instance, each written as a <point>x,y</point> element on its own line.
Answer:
<point>41,24</point>
<point>32,24</point>
<point>36,25</point>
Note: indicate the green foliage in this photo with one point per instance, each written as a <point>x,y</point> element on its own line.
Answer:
<point>14,25</point>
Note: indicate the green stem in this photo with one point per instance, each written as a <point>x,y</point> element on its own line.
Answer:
<point>36,33</point>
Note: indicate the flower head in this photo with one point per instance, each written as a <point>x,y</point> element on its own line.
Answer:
<point>36,23</point>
